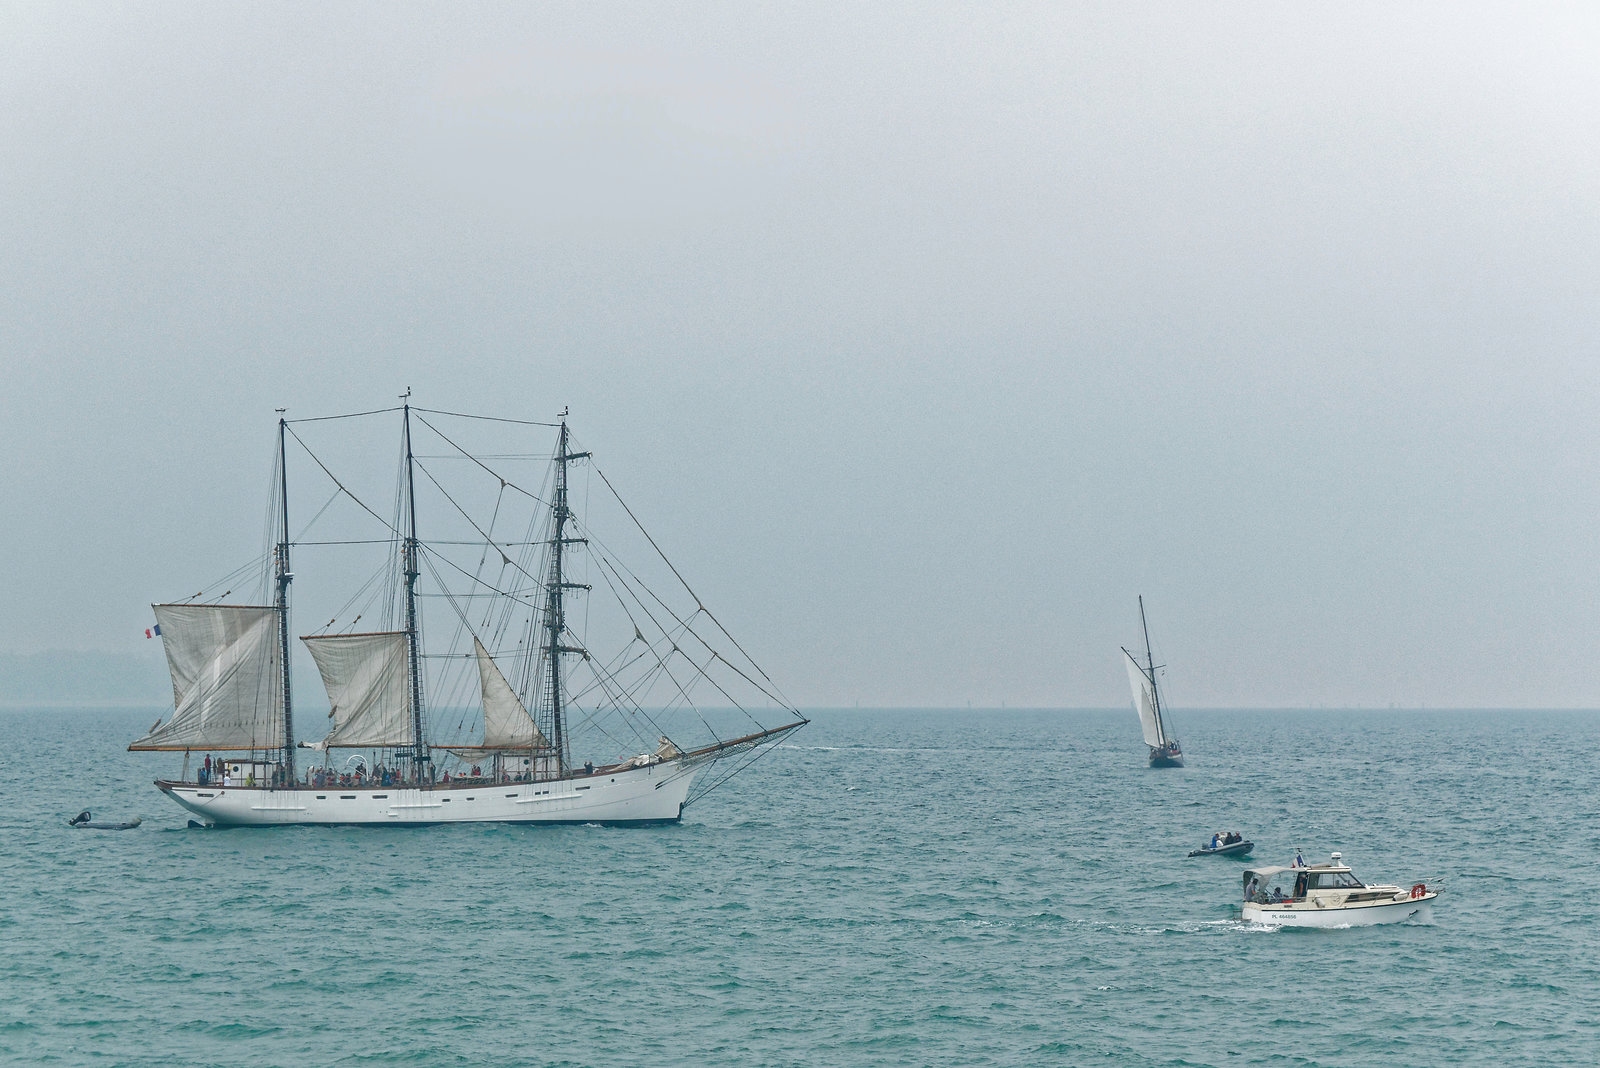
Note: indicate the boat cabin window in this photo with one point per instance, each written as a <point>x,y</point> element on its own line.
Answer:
<point>1333,880</point>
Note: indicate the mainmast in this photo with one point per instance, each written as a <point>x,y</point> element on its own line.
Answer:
<point>284,577</point>
<point>555,621</point>
<point>409,564</point>
<point>1155,693</point>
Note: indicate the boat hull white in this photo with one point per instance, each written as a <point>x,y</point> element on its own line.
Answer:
<point>653,794</point>
<point>1362,915</point>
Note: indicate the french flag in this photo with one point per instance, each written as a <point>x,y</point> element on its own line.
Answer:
<point>153,632</point>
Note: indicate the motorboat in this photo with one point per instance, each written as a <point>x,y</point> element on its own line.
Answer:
<point>1237,847</point>
<point>1330,895</point>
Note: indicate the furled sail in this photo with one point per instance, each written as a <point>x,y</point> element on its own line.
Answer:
<point>367,683</point>
<point>227,678</point>
<point>1144,701</point>
<point>506,724</point>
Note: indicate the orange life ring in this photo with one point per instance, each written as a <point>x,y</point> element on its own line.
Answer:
<point>1418,890</point>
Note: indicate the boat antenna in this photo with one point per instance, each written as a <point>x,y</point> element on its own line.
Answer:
<point>409,553</point>
<point>1155,693</point>
<point>284,577</point>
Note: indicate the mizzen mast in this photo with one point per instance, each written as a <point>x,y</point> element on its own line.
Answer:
<point>555,620</point>
<point>410,568</point>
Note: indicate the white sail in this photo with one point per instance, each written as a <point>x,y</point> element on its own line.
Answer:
<point>506,724</point>
<point>227,678</point>
<point>367,683</point>
<point>1144,701</point>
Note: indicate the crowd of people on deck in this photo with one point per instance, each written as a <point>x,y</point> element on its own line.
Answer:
<point>215,771</point>
<point>378,776</point>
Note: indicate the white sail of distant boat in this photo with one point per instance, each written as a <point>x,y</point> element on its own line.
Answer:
<point>1164,749</point>
<point>1144,701</point>
<point>595,746</point>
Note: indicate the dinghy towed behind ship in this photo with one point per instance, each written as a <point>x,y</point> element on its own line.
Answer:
<point>387,758</point>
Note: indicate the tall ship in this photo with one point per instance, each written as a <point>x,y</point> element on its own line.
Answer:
<point>1165,752</point>
<point>497,686</point>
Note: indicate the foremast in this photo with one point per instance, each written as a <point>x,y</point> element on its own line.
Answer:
<point>555,619</point>
<point>284,576</point>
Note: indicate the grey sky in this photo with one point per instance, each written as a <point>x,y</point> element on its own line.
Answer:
<point>923,337</point>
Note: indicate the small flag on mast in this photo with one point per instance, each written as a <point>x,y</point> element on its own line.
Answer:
<point>153,632</point>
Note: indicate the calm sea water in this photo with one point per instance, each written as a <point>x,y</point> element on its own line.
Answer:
<point>893,888</point>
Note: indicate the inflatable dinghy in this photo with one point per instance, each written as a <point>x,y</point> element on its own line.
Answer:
<point>1232,849</point>
<point>84,820</point>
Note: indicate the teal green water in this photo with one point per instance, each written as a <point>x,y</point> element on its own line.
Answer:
<point>893,888</point>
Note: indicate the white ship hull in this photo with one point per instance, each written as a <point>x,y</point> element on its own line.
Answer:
<point>653,794</point>
<point>1362,915</point>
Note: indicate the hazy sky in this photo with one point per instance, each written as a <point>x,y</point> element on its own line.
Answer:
<point>924,337</point>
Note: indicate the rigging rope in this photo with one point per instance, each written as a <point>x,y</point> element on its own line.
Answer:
<point>348,415</point>
<point>362,504</point>
<point>679,577</point>
<point>482,418</point>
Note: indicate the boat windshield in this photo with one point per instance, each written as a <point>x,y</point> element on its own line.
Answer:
<point>1333,880</point>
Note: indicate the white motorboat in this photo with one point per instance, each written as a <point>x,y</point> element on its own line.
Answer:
<point>1330,895</point>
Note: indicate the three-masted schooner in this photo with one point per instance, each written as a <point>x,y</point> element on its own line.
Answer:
<point>385,758</point>
<point>1164,749</point>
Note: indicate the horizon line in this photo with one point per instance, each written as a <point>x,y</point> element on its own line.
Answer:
<point>12,704</point>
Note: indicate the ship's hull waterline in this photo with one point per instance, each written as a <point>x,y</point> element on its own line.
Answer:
<point>654,794</point>
<point>1365,915</point>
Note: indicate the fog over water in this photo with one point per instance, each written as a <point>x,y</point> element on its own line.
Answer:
<point>922,338</point>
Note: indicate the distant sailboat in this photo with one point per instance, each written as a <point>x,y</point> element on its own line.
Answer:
<point>1164,749</point>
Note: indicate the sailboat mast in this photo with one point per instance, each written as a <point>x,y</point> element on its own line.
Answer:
<point>555,610</point>
<point>409,562</point>
<point>284,577</point>
<point>1150,659</point>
